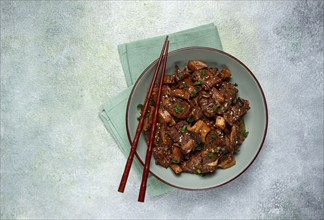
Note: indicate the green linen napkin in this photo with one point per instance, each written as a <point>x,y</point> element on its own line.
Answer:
<point>135,57</point>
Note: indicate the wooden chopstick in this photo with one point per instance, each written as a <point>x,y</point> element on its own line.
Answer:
<point>152,132</point>
<point>140,124</point>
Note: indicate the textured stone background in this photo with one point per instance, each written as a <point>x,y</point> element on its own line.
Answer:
<point>59,63</point>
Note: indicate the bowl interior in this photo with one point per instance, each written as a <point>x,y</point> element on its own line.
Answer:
<point>255,120</point>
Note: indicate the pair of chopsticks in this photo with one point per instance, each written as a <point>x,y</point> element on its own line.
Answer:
<point>140,126</point>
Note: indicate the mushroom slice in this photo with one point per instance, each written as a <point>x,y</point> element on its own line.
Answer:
<point>220,122</point>
<point>176,168</point>
<point>164,116</point>
<point>181,94</point>
<point>227,161</point>
<point>196,65</point>
<point>176,154</point>
<point>217,95</point>
<point>213,164</point>
<point>200,127</point>
<point>225,73</point>
<point>189,146</point>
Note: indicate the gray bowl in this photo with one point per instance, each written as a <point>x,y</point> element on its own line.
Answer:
<point>256,121</point>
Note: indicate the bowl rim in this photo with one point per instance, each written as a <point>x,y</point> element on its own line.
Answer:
<point>230,56</point>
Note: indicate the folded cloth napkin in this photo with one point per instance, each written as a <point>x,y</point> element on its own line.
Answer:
<point>135,57</point>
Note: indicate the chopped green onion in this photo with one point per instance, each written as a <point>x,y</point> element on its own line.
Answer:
<point>235,84</point>
<point>223,108</point>
<point>185,85</point>
<point>215,148</point>
<point>215,108</point>
<point>223,149</point>
<point>176,109</point>
<point>246,134</point>
<point>161,104</point>
<point>147,114</point>
<point>139,106</point>
<point>199,147</point>
<point>198,171</point>
<point>202,73</point>
<point>240,130</point>
<point>214,136</point>
<point>183,129</point>
<point>198,83</point>
<point>191,120</point>
<point>182,109</point>
<point>210,154</point>
<point>174,161</point>
<point>193,93</point>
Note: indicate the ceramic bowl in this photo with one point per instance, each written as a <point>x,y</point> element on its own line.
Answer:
<point>256,120</point>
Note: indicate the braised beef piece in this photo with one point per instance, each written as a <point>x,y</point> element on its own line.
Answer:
<point>196,112</point>
<point>206,79</point>
<point>215,138</point>
<point>207,104</point>
<point>194,164</point>
<point>162,155</point>
<point>194,90</point>
<point>161,151</point>
<point>228,91</point>
<point>238,134</point>
<point>196,137</point>
<point>237,110</point>
<point>180,135</point>
<point>201,163</point>
<point>178,108</point>
<point>180,75</point>
<point>180,93</point>
<point>163,130</point>
<point>169,79</point>
<point>175,131</point>
<point>225,74</point>
<point>200,125</point>
<point>226,161</point>
<point>177,156</point>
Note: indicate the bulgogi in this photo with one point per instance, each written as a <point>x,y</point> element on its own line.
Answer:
<point>200,125</point>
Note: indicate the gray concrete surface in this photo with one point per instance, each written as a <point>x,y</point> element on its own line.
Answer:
<point>59,63</point>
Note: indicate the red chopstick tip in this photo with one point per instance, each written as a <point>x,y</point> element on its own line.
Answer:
<point>141,198</point>
<point>121,188</point>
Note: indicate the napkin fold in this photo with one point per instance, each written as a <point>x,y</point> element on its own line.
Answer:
<point>135,57</point>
